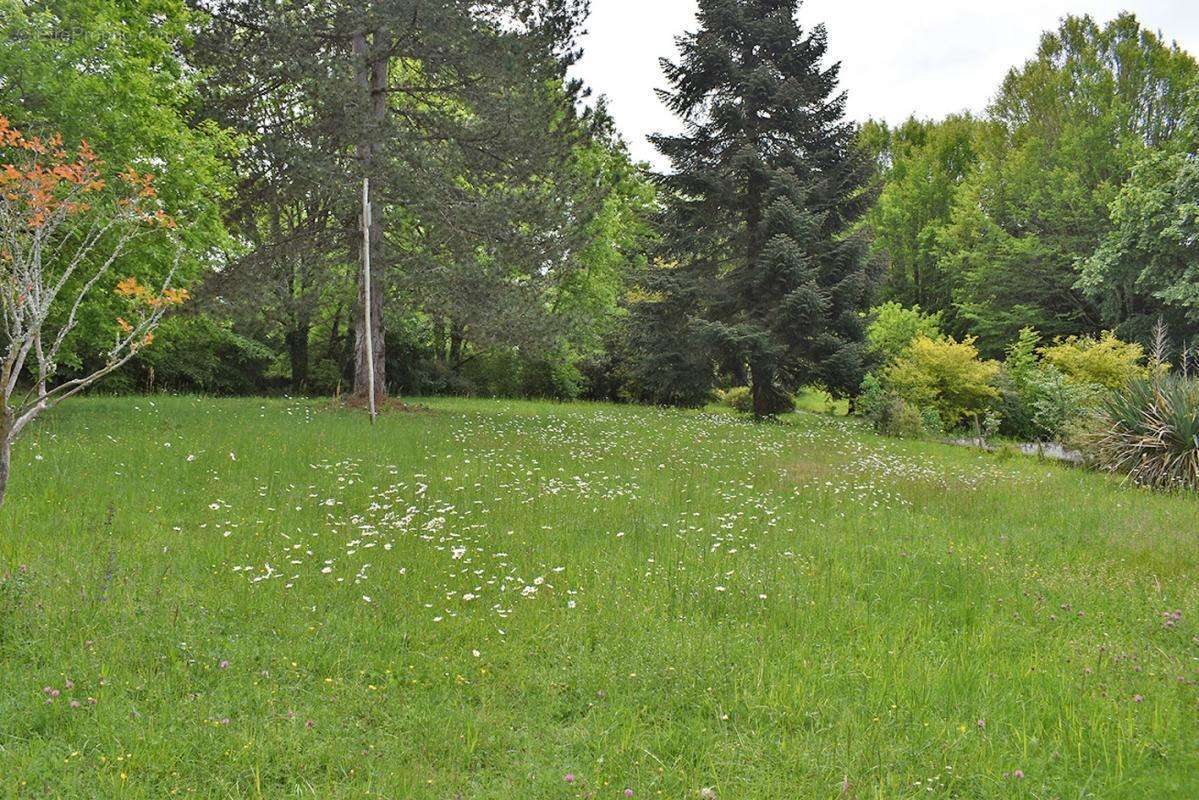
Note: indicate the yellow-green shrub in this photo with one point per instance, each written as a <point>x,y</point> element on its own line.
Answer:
<point>893,328</point>
<point>1105,361</point>
<point>739,398</point>
<point>944,375</point>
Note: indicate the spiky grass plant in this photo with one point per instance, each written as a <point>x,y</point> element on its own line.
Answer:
<point>1150,430</point>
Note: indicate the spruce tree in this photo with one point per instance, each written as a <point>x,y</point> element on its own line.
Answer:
<point>766,187</point>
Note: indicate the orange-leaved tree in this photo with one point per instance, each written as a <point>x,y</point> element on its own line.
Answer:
<point>63,226</point>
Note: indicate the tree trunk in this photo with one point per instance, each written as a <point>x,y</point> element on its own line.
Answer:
<point>760,383</point>
<point>372,81</point>
<point>41,372</point>
<point>761,380</point>
<point>5,459</point>
<point>297,351</point>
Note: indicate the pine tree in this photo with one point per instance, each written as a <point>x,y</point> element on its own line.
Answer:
<point>766,187</point>
<point>434,101</point>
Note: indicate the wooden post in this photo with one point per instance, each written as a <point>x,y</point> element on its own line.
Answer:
<point>366,280</point>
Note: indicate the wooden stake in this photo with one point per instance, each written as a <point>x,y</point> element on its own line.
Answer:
<point>366,279</point>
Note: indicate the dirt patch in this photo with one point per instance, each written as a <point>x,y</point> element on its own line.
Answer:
<point>804,471</point>
<point>390,405</point>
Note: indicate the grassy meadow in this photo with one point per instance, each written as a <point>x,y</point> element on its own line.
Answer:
<point>481,599</point>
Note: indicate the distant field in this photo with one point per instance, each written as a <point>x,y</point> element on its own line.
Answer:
<point>821,402</point>
<point>268,598</point>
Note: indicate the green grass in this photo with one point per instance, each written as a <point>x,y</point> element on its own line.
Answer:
<point>644,599</point>
<point>821,402</point>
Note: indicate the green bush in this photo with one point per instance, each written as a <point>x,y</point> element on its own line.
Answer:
<point>1059,405</point>
<point>932,422</point>
<point>491,373</point>
<point>871,397</point>
<point>557,378</point>
<point>506,372</point>
<point>946,376</point>
<point>1015,409</point>
<point>196,353</point>
<point>892,415</point>
<point>1037,400</point>
<point>1015,386</point>
<point>1149,431</point>
<point>1044,405</point>
<point>902,419</point>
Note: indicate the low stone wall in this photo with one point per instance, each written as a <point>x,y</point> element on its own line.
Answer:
<point>1051,450</point>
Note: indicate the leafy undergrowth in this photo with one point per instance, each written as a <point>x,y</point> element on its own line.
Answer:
<point>251,598</point>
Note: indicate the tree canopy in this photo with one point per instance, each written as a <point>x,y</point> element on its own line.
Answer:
<point>517,248</point>
<point>992,221</point>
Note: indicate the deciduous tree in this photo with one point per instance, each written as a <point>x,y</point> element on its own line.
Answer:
<point>1070,125</point>
<point>64,225</point>
<point>1147,267</point>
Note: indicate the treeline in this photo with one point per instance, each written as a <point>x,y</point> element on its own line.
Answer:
<point>1069,207</point>
<point>517,249</point>
<point>506,211</point>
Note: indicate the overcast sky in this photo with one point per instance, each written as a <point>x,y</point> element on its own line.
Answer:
<point>928,57</point>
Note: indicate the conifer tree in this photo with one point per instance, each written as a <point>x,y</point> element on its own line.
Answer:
<point>766,186</point>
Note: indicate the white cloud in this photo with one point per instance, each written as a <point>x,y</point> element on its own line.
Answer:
<point>927,58</point>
